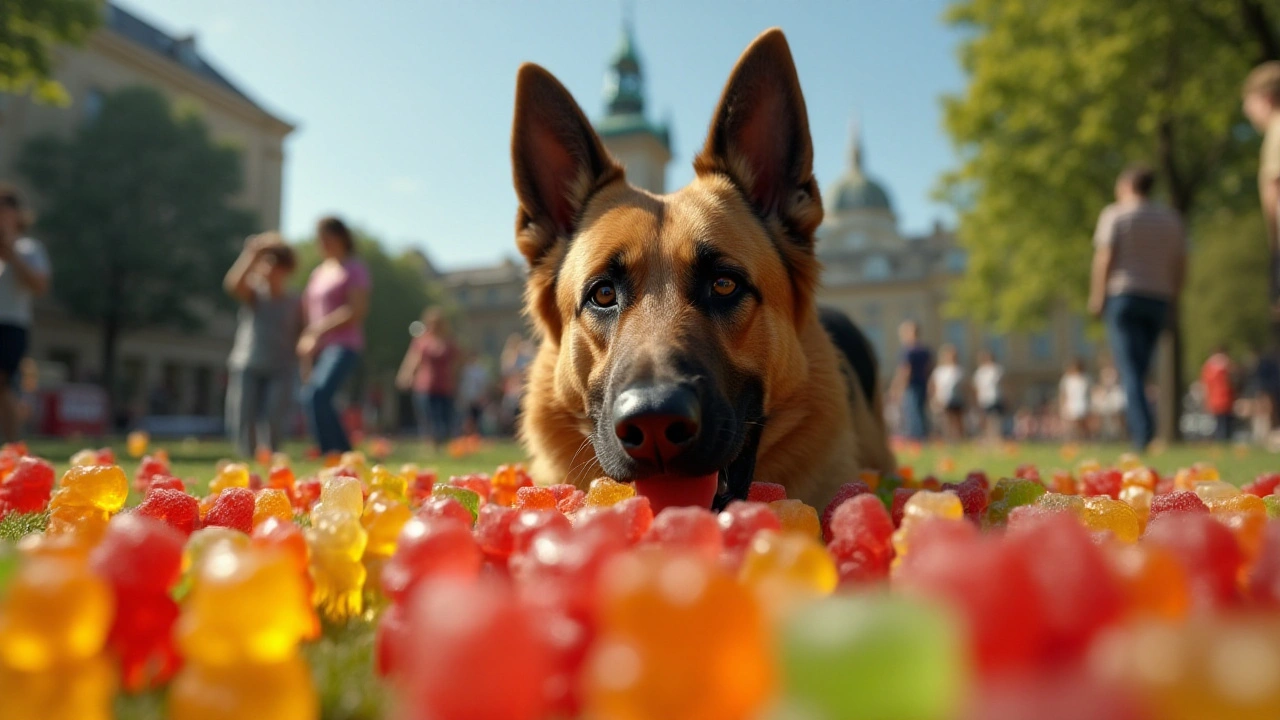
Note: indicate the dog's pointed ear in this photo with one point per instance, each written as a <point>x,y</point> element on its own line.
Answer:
<point>557,161</point>
<point>759,137</point>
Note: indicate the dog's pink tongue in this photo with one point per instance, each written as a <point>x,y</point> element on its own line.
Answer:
<point>666,491</point>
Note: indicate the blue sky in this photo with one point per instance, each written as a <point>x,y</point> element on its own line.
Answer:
<point>403,107</point>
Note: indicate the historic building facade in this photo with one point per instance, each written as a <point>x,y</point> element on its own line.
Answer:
<point>160,371</point>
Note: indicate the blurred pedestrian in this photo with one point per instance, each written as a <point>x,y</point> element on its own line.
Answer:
<point>946,384</point>
<point>988,388</point>
<point>24,275</point>
<point>1262,108</point>
<point>1073,401</point>
<point>335,303</point>
<point>474,389</point>
<point>910,386</point>
<point>1107,402</point>
<point>1139,265</point>
<point>430,369</point>
<point>517,355</point>
<point>1219,394</point>
<point>262,364</point>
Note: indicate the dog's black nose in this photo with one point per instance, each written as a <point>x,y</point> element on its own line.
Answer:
<point>657,422</point>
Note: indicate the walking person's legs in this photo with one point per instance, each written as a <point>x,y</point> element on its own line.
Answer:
<point>422,415</point>
<point>331,368</point>
<point>1127,338</point>
<point>241,411</point>
<point>440,408</point>
<point>278,386</point>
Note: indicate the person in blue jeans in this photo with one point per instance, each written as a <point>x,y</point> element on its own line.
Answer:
<point>1139,265</point>
<point>911,382</point>
<point>334,304</point>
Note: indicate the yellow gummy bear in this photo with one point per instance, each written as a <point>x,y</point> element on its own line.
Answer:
<point>230,475</point>
<point>1138,498</point>
<point>78,690</point>
<point>247,606</point>
<point>383,519</point>
<point>393,484</point>
<point>797,559</point>
<point>56,612</point>
<point>337,542</point>
<point>797,517</point>
<point>100,486</point>
<point>271,502</point>
<point>1240,503</point>
<point>280,691</point>
<point>922,506</point>
<point>1208,490</point>
<point>1102,513</point>
<point>340,493</point>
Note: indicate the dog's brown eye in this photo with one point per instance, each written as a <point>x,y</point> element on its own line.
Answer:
<point>724,286</point>
<point>604,295</point>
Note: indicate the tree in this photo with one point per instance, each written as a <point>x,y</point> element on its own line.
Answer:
<point>400,292</point>
<point>29,30</point>
<point>137,209</point>
<point>1063,95</point>
<point>1225,281</point>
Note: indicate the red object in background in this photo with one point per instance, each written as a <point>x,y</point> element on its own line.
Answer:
<point>74,409</point>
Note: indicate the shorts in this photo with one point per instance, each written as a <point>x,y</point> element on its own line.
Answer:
<point>995,408</point>
<point>13,347</point>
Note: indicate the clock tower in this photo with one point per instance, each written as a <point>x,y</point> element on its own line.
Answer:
<point>643,148</point>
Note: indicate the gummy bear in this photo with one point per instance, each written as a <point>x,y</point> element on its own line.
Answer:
<point>700,653</point>
<point>1153,580</point>
<point>924,505</point>
<point>1208,551</point>
<point>271,502</point>
<point>468,499</point>
<point>1102,514</point>
<point>391,484</point>
<point>535,498</point>
<point>27,488</point>
<point>337,542</point>
<point>798,517</point>
<point>687,529</point>
<point>845,492</point>
<point>493,532</point>
<point>280,691</point>
<point>141,558</point>
<point>383,519</point>
<point>862,534</point>
<point>1008,494</point>
<point>175,508</point>
<point>796,559</point>
<point>444,506</point>
<point>604,491</point>
<point>340,493</point>
<point>103,487</point>
<point>232,508</point>
<point>763,492</point>
<point>229,476</point>
<point>739,523</point>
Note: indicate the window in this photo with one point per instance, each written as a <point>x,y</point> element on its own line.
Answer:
<point>1041,346</point>
<point>93,100</point>
<point>998,345</point>
<point>876,268</point>
<point>956,260</point>
<point>956,334</point>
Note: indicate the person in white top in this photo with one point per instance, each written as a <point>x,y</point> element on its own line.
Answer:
<point>24,275</point>
<point>946,390</point>
<point>987,388</point>
<point>1073,401</point>
<point>1107,403</point>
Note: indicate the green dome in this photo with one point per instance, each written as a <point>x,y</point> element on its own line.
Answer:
<point>854,190</point>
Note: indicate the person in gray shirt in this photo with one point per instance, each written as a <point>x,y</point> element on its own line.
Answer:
<point>262,363</point>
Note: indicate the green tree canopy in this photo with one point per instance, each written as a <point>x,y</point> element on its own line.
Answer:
<point>137,212</point>
<point>29,30</point>
<point>400,292</point>
<point>1063,95</point>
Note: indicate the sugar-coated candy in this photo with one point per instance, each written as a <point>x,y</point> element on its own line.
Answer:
<point>306,494</point>
<point>635,514</point>
<point>1076,589</point>
<point>384,518</point>
<point>136,443</point>
<point>478,483</point>
<point>1011,493</point>
<point>445,506</point>
<point>84,521</point>
<point>1139,498</point>
<point>1140,477</point>
<point>394,485</point>
<point>337,541</point>
<point>794,559</point>
<point>844,492</point>
<point>141,558</point>
<point>1264,485</point>
<point>763,492</point>
<point>973,498</point>
<point>27,488</point>
<point>232,508</point>
<point>81,690</point>
<point>1103,514</point>
<point>247,607</point>
<point>149,469</point>
<point>1239,503</point>
<point>468,499</point>
<point>572,501</point>
<point>687,529</point>
<point>924,505</point>
<point>493,531</point>
<point>271,503</point>
<point>1176,502</point>
<point>507,482</point>
<point>679,639</point>
<point>204,542</point>
<point>1263,584</point>
<point>280,690</point>
<point>103,487</point>
<point>229,476</point>
<point>862,540</point>
<point>739,523</point>
<point>175,508</point>
<point>430,549</point>
<point>1210,666</point>
<point>535,498</point>
<point>868,657</point>
<point>467,636</point>
<point>796,516</point>
<point>529,524</point>
<point>55,611</point>
<point>605,491</point>
<point>1073,505</point>
<point>898,504</point>
<point>1207,550</point>
<point>1053,694</point>
<point>1208,490</point>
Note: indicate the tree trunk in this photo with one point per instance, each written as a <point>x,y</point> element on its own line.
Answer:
<point>1259,24</point>
<point>1168,359</point>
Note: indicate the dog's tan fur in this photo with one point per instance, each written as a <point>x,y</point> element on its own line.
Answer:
<point>754,200</point>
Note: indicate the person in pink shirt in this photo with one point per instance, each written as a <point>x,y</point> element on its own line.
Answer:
<point>334,306</point>
<point>430,370</point>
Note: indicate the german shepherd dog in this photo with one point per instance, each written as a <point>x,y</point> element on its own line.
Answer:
<point>681,346</point>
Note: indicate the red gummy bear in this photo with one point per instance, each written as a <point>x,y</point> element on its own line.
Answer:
<point>1181,501</point>
<point>427,549</point>
<point>845,492</point>
<point>1102,482</point>
<point>529,524</point>
<point>1265,484</point>
<point>687,529</point>
<point>973,497</point>
<point>1264,580</point>
<point>635,515</point>
<point>493,531</point>
<point>739,524</point>
<point>900,497</point>
<point>306,494</point>
<point>861,540</point>
<point>141,558</point>
<point>233,509</point>
<point>763,492</point>
<point>535,498</point>
<point>175,508</point>
<point>149,468</point>
<point>445,507</point>
<point>477,483</point>
<point>28,488</point>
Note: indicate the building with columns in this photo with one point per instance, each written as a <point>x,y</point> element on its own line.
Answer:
<point>160,371</point>
<point>881,278</point>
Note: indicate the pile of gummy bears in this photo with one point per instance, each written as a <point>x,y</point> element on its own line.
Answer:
<point>1107,594</point>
